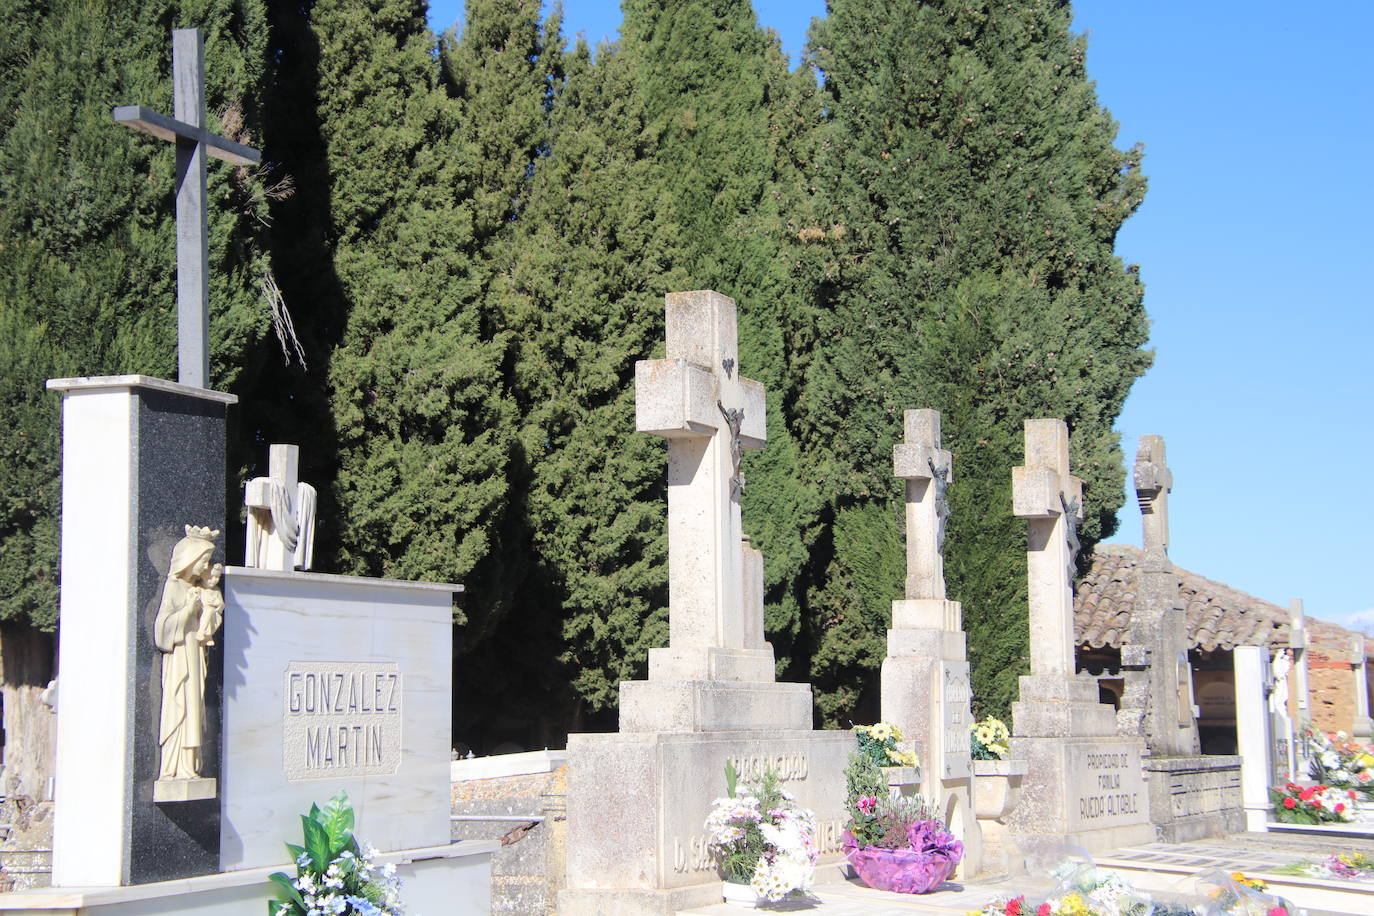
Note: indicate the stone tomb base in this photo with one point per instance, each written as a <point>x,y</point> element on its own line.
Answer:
<point>637,803</point>
<point>1084,785</point>
<point>1194,797</point>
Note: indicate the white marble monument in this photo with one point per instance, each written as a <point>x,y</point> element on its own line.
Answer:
<point>637,799</point>
<point>1085,785</point>
<point>925,676</point>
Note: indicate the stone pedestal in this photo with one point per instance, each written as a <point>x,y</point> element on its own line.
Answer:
<point>925,693</point>
<point>637,804</point>
<point>141,459</point>
<point>1084,784</point>
<point>334,682</point>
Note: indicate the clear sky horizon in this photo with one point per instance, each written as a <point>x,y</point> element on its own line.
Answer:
<point>1252,242</point>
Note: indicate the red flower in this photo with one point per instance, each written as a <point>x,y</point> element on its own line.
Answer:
<point>1339,807</point>
<point>1278,911</point>
<point>1042,910</point>
<point>1290,802</point>
<point>1013,907</point>
<point>1306,794</point>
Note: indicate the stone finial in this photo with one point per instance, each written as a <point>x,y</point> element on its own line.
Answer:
<point>928,471</point>
<point>1153,482</point>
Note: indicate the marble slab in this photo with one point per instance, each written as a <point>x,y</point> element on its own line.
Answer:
<point>334,682</point>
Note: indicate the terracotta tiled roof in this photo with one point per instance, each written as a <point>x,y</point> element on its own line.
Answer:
<point>1219,617</point>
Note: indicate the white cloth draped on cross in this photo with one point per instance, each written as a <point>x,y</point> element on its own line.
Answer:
<point>281,515</point>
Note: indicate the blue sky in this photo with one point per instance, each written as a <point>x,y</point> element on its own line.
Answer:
<point>1258,124</point>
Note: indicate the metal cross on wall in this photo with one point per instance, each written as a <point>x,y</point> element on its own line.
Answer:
<point>187,130</point>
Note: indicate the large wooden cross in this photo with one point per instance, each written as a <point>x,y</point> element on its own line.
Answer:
<point>1153,481</point>
<point>1051,500</point>
<point>709,413</point>
<point>927,470</point>
<point>194,142</point>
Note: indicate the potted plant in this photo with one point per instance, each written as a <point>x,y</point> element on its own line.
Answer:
<point>762,839</point>
<point>997,780</point>
<point>333,873</point>
<point>893,843</point>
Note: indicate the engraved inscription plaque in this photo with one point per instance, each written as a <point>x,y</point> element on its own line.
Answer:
<point>341,719</point>
<point>955,699</point>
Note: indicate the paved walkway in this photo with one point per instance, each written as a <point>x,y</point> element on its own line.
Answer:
<point>1168,866</point>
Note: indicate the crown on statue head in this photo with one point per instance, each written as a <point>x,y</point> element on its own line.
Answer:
<point>207,533</point>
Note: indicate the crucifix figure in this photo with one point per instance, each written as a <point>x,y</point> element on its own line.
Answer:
<point>709,413</point>
<point>187,130</point>
<point>1051,500</point>
<point>1153,481</point>
<point>927,470</point>
<point>281,515</point>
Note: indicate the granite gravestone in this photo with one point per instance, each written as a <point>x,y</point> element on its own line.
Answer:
<point>637,799</point>
<point>1084,784</point>
<point>925,676</point>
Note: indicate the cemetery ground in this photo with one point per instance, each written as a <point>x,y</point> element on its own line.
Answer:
<point>527,813</point>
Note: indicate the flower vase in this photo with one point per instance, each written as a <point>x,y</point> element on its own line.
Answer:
<point>900,871</point>
<point>997,787</point>
<point>740,895</point>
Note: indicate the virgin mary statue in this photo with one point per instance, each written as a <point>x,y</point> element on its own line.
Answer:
<point>191,611</point>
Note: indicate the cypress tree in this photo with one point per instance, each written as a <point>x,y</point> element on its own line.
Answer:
<point>426,163</point>
<point>963,261</point>
<point>593,255</point>
<point>87,234</point>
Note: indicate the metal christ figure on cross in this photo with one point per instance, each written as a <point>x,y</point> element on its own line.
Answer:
<point>194,143</point>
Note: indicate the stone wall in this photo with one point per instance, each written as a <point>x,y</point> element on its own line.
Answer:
<point>527,872</point>
<point>1331,686</point>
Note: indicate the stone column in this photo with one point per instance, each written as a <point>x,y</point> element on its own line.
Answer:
<point>1085,785</point>
<point>1254,738</point>
<point>1302,690</point>
<point>925,676</point>
<point>141,458</point>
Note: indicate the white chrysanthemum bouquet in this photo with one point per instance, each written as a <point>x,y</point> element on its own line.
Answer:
<point>762,837</point>
<point>334,876</point>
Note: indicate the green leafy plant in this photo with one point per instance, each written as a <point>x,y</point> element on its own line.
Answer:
<point>334,876</point>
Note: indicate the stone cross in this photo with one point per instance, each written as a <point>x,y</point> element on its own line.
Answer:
<point>281,515</point>
<point>1044,493</point>
<point>194,143</point>
<point>927,469</point>
<point>1153,481</point>
<point>709,413</point>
